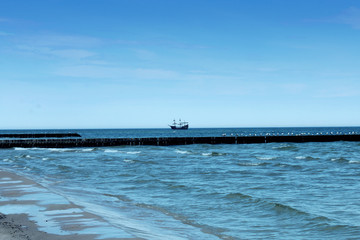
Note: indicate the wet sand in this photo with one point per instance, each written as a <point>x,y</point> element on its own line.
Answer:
<point>29,211</point>
<point>19,227</point>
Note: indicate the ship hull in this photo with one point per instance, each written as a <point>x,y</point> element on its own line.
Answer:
<point>180,128</point>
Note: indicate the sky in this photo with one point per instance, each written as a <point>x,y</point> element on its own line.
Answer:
<point>214,63</point>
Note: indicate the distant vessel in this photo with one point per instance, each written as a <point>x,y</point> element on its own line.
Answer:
<point>180,125</point>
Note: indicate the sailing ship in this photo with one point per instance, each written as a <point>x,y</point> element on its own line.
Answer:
<point>180,125</point>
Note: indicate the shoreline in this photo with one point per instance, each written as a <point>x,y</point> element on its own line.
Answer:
<point>29,211</point>
<point>20,227</point>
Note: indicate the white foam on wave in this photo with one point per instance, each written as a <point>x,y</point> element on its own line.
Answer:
<point>266,158</point>
<point>283,147</point>
<point>213,154</point>
<point>129,161</point>
<point>300,157</point>
<point>354,162</point>
<point>340,159</point>
<point>182,151</point>
<point>59,149</point>
<point>133,152</point>
<point>27,149</point>
<point>250,164</point>
<point>111,151</point>
<point>87,149</point>
<point>21,149</point>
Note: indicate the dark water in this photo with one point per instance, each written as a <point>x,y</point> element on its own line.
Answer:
<point>254,191</point>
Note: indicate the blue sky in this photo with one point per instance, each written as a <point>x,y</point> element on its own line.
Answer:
<point>142,63</point>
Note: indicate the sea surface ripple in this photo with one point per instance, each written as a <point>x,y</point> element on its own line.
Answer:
<point>201,191</point>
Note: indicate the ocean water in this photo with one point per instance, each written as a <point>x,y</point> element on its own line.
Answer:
<point>202,191</point>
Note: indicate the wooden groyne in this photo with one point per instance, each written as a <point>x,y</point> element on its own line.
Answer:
<point>39,135</point>
<point>166,141</point>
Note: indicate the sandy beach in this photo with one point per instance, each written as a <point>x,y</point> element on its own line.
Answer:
<point>19,227</point>
<point>29,211</point>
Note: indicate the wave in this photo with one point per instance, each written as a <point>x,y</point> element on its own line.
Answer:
<point>28,149</point>
<point>206,154</point>
<point>56,149</point>
<point>174,185</point>
<point>111,151</point>
<point>177,186</point>
<point>278,208</point>
<point>119,151</point>
<point>309,220</point>
<point>291,166</point>
<point>238,196</point>
<point>23,156</point>
<point>266,204</point>
<point>21,149</point>
<point>354,162</point>
<point>286,209</point>
<point>120,197</point>
<point>252,164</point>
<point>44,149</point>
<point>285,148</point>
<point>340,160</point>
<point>306,158</point>
<point>88,149</point>
<point>215,231</point>
<point>61,149</point>
<point>182,151</point>
<point>213,154</point>
<point>265,158</point>
<point>133,152</point>
<point>64,168</point>
<point>129,161</point>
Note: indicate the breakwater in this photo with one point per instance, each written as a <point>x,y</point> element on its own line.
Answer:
<point>167,141</point>
<point>39,135</point>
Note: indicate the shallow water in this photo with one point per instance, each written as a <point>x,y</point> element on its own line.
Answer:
<point>251,191</point>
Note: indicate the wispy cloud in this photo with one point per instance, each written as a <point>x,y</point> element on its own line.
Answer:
<point>56,46</point>
<point>4,20</point>
<point>338,92</point>
<point>2,33</point>
<point>350,16</point>
<point>58,40</point>
<point>294,88</point>
<point>74,54</point>
<point>105,72</point>
<point>162,43</point>
<point>267,69</point>
<point>145,54</point>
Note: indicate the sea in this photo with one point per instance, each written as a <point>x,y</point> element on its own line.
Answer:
<point>203,191</point>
